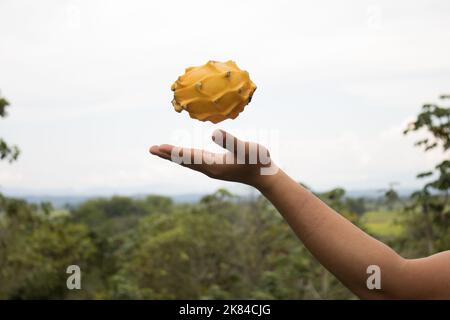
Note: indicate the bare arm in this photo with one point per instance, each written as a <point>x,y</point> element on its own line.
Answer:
<point>346,251</point>
<point>341,247</point>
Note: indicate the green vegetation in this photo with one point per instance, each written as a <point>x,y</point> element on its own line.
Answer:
<point>7,152</point>
<point>152,248</point>
<point>383,223</point>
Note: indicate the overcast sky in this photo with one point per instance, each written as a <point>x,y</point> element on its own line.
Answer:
<point>89,83</point>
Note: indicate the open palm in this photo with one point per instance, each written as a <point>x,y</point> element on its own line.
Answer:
<point>245,162</point>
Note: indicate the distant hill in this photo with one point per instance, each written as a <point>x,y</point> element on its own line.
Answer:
<point>376,193</point>
<point>57,201</point>
<point>63,201</point>
<point>60,201</point>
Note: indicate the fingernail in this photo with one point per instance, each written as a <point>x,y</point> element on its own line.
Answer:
<point>153,149</point>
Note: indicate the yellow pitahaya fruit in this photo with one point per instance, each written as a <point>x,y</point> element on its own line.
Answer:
<point>213,92</point>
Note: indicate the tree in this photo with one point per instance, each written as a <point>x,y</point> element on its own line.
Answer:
<point>35,250</point>
<point>429,209</point>
<point>436,120</point>
<point>391,196</point>
<point>7,152</point>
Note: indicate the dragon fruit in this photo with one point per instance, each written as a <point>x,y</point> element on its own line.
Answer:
<point>213,92</point>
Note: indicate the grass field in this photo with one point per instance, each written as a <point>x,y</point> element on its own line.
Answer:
<point>383,223</point>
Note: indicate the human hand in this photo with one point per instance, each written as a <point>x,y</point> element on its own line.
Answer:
<point>245,162</point>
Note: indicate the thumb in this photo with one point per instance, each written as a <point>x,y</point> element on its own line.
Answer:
<point>227,141</point>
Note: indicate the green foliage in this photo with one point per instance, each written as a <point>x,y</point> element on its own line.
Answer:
<point>429,210</point>
<point>219,249</point>
<point>435,120</point>
<point>384,224</point>
<point>222,247</point>
<point>7,152</point>
<point>36,250</point>
<point>335,198</point>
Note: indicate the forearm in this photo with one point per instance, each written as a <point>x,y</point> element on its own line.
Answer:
<point>341,247</point>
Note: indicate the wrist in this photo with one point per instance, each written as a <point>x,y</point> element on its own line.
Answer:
<point>266,183</point>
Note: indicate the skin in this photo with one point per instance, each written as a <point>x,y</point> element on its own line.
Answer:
<point>340,246</point>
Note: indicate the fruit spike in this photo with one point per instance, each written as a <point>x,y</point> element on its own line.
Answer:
<point>213,92</point>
